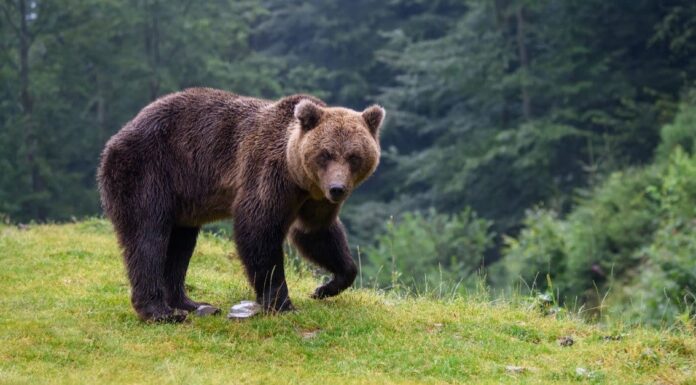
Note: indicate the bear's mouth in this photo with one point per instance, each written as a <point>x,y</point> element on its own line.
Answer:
<point>333,200</point>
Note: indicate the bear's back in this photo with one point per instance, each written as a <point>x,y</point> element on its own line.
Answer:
<point>199,146</point>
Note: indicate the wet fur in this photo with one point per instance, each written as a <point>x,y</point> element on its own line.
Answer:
<point>202,155</point>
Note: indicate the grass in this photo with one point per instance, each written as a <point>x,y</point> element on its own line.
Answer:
<point>66,318</point>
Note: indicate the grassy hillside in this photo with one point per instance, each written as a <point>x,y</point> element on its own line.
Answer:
<point>65,318</point>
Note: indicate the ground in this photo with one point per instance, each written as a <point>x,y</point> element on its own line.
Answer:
<point>65,318</point>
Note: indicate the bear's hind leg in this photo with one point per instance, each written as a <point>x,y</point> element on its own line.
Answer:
<point>328,248</point>
<point>182,241</point>
<point>145,253</point>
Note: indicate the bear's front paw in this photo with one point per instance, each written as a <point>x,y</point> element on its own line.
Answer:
<point>325,291</point>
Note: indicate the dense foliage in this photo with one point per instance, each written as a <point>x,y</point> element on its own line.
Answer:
<point>496,108</point>
<point>427,250</point>
<point>631,242</point>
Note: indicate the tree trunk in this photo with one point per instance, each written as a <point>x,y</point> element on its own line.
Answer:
<point>31,138</point>
<point>101,107</point>
<point>498,8</point>
<point>524,63</point>
<point>501,24</point>
<point>152,48</point>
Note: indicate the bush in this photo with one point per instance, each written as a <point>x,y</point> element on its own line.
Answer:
<point>606,230</point>
<point>681,132</point>
<point>539,252</point>
<point>637,233</point>
<point>666,286</point>
<point>594,243</point>
<point>424,250</point>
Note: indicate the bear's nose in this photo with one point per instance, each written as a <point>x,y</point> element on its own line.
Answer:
<point>337,191</point>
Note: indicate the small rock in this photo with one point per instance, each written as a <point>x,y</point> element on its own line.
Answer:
<point>206,310</point>
<point>566,341</point>
<point>586,373</point>
<point>617,337</point>
<point>309,334</point>
<point>244,309</point>
<point>515,369</point>
<point>435,328</point>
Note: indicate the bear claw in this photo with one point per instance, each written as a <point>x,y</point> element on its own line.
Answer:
<point>321,292</point>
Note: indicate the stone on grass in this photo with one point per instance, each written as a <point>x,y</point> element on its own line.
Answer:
<point>244,309</point>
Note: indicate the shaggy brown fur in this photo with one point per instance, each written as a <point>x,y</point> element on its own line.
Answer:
<point>279,168</point>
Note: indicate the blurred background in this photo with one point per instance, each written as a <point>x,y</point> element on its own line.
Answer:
<point>545,145</point>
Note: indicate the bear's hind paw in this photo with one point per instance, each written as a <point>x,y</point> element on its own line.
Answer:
<point>168,316</point>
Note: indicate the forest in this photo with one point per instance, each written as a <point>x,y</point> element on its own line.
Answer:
<point>547,146</point>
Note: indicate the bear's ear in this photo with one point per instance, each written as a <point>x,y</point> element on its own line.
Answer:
<point>374,116</point>
<point>308,114</point>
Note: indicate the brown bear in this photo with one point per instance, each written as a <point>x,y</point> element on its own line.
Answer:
<point>278,168</point>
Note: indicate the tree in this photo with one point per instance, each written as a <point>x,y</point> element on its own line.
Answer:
<point>76,71</point>
<point>523,102</point>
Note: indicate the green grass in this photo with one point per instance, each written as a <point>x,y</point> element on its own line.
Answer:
<point>66,318</point>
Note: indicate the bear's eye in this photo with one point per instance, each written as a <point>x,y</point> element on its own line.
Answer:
<point>323,158</point>
<point>354,161</point>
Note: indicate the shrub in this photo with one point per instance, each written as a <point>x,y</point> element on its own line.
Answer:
<point>595,243</point>
<point>606,230</point>
<point>423,250</point>
<point>539,252</point>
<point>666,285</point>
<point>637,232</point>
<point>681,132</point>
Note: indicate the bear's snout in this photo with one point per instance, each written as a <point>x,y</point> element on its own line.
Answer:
<point>336,182</point>
<point>337,191</point>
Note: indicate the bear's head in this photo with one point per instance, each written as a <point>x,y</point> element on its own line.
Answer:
<point>332,150</point>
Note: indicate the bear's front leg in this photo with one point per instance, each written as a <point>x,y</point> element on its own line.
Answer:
<point>328,248</point>
<point>259,242</point>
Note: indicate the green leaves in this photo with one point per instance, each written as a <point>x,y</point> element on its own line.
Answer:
<point>92,65</point>
<point>631,239</point>
<point>429,249</point>
<point>457,108</point>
